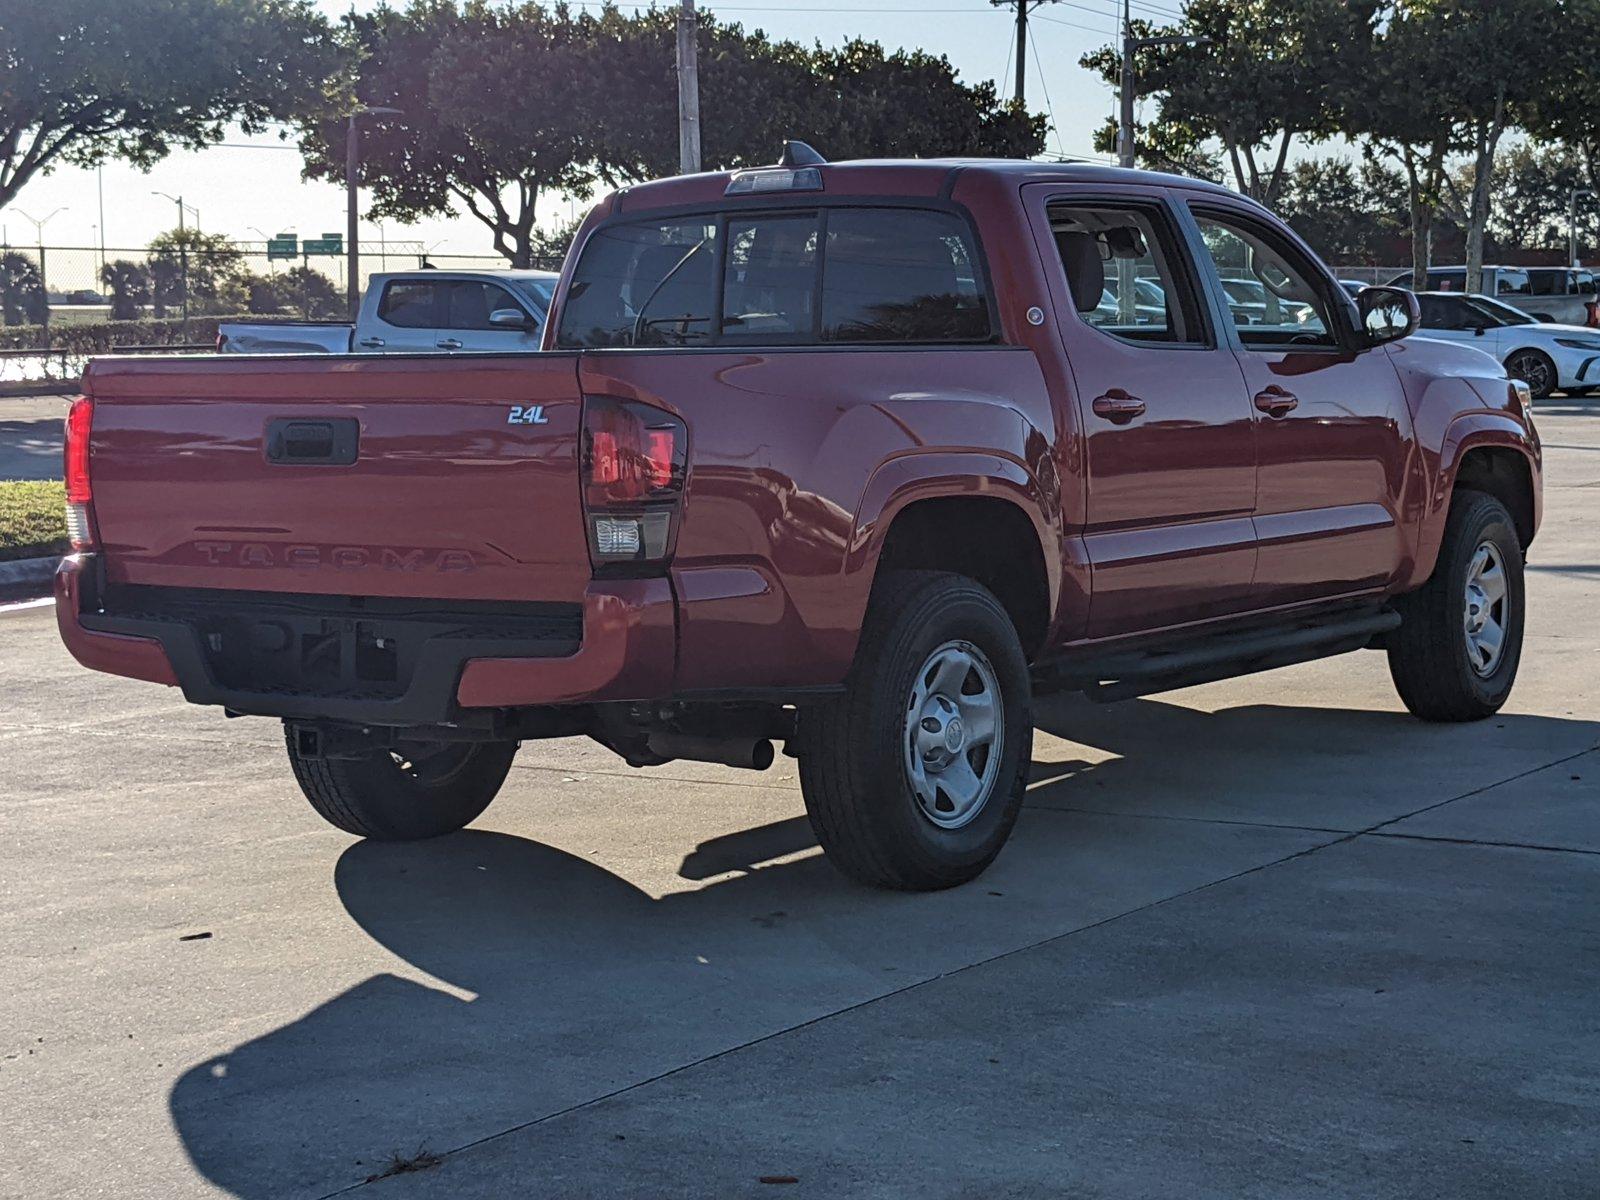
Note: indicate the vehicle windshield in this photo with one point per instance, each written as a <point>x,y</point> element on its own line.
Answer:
<point>1503,313</point>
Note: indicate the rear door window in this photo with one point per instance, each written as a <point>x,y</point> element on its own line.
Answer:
<point>1125,273</point>
<point>832,275</point>
<point>410,304</point>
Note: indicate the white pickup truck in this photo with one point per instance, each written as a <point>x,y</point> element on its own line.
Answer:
<point>415,312</point>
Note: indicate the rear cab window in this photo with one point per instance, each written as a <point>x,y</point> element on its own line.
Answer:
<point>826,275</point>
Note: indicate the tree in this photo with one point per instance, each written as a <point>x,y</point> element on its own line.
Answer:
<point>22,298</point>
<point>1568,110</point>
<point>1348,211</point>
<point>1532,183</point>
<point>1450,77</point>
<point>505,103</point>
<point>205,268</point>
<point>1269,71</point>
<point>866,103</point>
<point>313,293</point>
<point>86,80</point>
<point>129,285</point>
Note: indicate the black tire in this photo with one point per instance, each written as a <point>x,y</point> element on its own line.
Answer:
<point>390,797</point>
<point>856,755</point>
<point>1430,655</point>
<point>1536,369</point>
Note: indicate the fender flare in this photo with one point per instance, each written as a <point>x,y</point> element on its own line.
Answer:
<point>953,474</point>
<point>1467,432</point>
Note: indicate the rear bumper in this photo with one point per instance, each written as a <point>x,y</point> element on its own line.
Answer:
<point>627,652</point>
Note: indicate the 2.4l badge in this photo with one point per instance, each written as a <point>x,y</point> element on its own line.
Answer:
<point>527,414</point>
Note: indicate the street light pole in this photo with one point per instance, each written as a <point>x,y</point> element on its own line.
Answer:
<point>352,176</point>
<point>1572,223</point>
<point>183,255</point>
<point>44,286</point>
<point>1131,46</point>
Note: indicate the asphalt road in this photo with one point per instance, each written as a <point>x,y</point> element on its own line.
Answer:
<point>1264,939</point>
<point>30,436</point>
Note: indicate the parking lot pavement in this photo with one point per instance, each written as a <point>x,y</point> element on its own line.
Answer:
<point>1264,938</point>
<point>30,436</point>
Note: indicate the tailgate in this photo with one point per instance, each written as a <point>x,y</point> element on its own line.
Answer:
<point>438,477</point>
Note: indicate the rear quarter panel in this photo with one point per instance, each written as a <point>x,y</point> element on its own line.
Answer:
<point>798,461</point>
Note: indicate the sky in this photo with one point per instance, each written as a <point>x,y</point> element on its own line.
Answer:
<point>250,187</point>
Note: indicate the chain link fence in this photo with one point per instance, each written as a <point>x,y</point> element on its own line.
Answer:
<point>61,304</point>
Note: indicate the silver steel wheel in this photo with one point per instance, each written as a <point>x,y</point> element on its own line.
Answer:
<point>1487,608</point>
<point>954,734</point>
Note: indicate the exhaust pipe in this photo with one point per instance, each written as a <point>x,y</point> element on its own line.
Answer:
<point>753,754</point>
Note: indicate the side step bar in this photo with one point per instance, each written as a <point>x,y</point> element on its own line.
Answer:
<point>1125,674</point>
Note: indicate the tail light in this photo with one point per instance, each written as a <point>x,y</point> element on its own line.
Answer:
<point>634,460</point>
<point>80,496</point>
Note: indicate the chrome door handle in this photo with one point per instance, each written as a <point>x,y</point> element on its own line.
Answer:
<point>1275,402</point>
<point>373,342</point>
<point>448,343</point>
<point>1118,407</point>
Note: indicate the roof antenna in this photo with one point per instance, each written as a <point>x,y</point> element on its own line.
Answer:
<point>798,154</point>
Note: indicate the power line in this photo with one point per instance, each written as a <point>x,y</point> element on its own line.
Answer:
<point>1048,107</point>
<point>1072,25</point>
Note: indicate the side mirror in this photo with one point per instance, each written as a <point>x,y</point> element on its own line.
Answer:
<point>1388,313</point>
<point>510,318</point>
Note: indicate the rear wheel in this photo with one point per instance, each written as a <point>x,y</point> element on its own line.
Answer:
<point>1455,655</point>
<point>1534,368</point>
<point>412,791</point>
<point>914,777</point>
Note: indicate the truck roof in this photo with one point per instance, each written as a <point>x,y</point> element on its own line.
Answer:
<point>902,177</point>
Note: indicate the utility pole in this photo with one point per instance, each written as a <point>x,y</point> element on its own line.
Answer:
<point>1023,7</point>
<point>352,176</point>
<point>1572,223</point>
<point>688,89</point>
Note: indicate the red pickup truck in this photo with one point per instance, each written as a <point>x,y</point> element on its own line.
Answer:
<point>852,457</point>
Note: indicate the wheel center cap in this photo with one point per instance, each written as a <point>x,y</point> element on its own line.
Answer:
<point>1477,609</point>
<point>954,734</point>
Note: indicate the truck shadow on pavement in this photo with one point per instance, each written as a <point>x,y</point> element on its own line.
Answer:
<point>555,981</point>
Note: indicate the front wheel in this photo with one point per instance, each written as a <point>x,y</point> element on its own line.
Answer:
<point>1536,369</point>
<point>1455,655</point>
<point>914,778</point>
<point>415,790</point>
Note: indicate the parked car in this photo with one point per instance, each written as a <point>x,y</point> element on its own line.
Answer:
<point>1512,283</point>
<point>824,454</point>
<point>1353,287</point>
<point>1251,305</point>
<point>1559,294</point>
<point>415,312</point>
<point>1545,356</point>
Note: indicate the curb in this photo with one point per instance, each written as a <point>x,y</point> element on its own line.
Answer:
<point>40,387</point>
<point>21,571</point>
